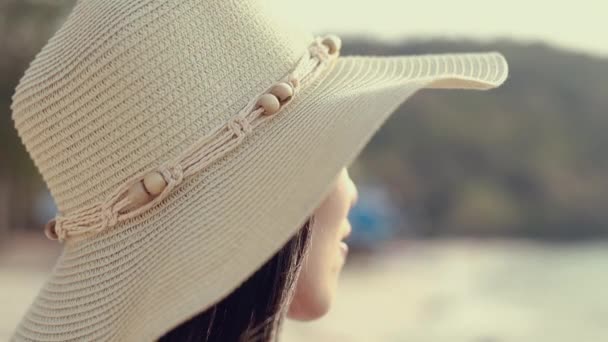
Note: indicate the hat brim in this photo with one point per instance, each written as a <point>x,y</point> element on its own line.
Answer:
<point>152,272</point>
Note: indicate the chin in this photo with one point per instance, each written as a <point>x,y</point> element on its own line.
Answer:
<point>309,310</point>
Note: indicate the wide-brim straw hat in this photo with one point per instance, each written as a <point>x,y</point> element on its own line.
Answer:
<point>184,142</point>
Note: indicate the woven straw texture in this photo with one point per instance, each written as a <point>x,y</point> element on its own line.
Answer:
<point>126,85</point>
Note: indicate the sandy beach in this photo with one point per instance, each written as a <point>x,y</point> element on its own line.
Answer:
<point>455,290</point>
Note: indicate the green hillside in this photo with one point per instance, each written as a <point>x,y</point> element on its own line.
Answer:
<point>525,159</point>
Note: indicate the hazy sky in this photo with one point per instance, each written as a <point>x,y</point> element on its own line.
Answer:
<point>580,24</point>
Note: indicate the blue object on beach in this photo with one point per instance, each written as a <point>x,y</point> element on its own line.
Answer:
<point>373,218</point>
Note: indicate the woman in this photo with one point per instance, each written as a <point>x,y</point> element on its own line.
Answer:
<point>313,257</point>
<point>196,152</point>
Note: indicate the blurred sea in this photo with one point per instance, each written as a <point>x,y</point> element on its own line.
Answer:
<point>447,290</point>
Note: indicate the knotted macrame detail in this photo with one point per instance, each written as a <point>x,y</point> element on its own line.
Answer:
<point>149,187</point>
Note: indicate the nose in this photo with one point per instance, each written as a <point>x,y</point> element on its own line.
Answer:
<point>355,195</point>
<point>354,192</point>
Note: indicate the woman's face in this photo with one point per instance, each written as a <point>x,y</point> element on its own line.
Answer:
<point>319,276</point>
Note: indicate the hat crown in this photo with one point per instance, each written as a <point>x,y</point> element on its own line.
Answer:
<point>124,86</point>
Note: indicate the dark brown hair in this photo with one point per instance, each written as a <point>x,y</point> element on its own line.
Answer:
<point>256,309</point>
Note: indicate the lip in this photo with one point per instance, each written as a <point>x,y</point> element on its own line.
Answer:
<point>343,248</point>
<point>347,233</point>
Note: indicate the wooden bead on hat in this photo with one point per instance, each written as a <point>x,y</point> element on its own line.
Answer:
<point>154,183</point>
<point>270,103</point>
<point>138,195</point>
<point>333,42</point>
<point>49,230</point>
<point>283,91</point>
<point>145,190</point>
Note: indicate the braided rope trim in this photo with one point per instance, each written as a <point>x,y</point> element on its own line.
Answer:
<point>118,206</point>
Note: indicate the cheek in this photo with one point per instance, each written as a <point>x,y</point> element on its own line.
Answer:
<point>319,276</point>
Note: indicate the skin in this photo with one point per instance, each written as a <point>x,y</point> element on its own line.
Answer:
<point>317,282</point>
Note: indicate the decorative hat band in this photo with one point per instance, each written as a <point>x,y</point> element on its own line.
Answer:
<point>149,187</point>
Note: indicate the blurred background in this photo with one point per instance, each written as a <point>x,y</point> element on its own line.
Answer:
<point>483,216</point>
